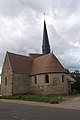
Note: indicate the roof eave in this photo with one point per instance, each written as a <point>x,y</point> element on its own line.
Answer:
<point>32,74</point>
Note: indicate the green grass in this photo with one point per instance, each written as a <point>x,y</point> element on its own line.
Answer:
<point>36,98</point>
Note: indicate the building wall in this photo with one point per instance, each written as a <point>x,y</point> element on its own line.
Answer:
<point>0,89</point>
<point>0,84</point>
<point>0,78</point>
<point>21,83</point>
<point>6,89</point>
<point>13,83</point>
<point>55,85</point>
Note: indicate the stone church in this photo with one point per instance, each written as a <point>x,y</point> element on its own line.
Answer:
<point>36,73</point>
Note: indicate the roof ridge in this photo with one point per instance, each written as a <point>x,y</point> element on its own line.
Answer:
<point>17,54</point>
<point>42,56</point>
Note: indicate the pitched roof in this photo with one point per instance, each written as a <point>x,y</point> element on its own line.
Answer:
<point>35,55</point>
<point>20,64</point>
<point>35,65</point>
<point>47,64</point>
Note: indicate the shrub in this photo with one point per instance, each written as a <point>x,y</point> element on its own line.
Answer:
<point>37,98</point>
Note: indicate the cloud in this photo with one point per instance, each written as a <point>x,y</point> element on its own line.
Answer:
<point>10,7</point>
<point>21,28</point>
<point>17,34</point>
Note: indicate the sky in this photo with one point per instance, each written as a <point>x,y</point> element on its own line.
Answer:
<point>21,29</point>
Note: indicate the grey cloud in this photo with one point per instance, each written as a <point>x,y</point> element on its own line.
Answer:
<point>16,7</point>
<point>19,35</point>
<point>11,7</point>
<point>67,53</point>
<point>21,28</point>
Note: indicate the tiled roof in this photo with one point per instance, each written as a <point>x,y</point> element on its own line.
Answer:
<point>35,65</point>
<point>20,64</point>
<point>35,55</point>
<point>47,64</point>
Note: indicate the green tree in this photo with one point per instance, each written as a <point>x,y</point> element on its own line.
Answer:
<point>76,85</point>
<point>76,71</point>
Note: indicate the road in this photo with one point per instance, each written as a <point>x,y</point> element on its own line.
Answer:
<point>15,111</point>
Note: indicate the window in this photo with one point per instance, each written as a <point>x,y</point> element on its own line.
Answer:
<point>46,78</point>
<point>35,79</point>
<point>5,80</point>
<point>62,78</point>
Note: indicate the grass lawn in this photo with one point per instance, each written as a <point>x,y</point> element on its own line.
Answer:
<point>36,98</point>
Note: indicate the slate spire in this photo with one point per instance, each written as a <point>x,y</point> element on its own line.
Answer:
<point>45,45</point>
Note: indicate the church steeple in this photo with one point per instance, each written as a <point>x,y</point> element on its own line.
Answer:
<point>45,45</point>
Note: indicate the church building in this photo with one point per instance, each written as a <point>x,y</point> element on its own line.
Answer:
<point>36,73</point>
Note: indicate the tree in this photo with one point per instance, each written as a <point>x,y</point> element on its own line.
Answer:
<point>76,71</point>
<point>76,85</point>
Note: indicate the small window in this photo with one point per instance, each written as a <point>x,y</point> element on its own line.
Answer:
<point>35,79</point>
<point>5,80</point>
<point>62,78</point>
<point>46,78</point>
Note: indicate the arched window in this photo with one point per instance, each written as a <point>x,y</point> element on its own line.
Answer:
<point>62,78</point>
<point>46,78</point>
<point>35,79</point>
<point>5,80</point>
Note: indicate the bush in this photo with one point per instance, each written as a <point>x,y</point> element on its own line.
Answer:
<point>76,85</point>
<point>37,98</point>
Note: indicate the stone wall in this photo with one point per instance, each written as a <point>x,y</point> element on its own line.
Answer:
<point>6,89</point>
<point>20,83</point>
<point>0,89</point>
<point>13,83</point>
<point>55,85</point>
